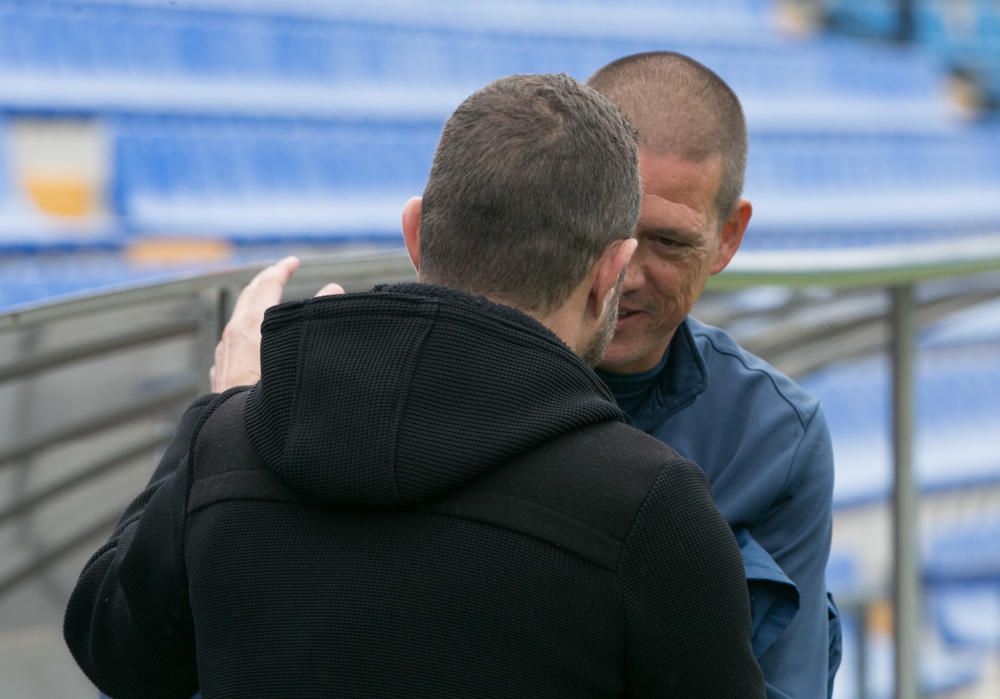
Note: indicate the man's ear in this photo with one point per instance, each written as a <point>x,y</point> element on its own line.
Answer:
<point>732,234</point>
<point>607,272</point>
<point>411,230</point>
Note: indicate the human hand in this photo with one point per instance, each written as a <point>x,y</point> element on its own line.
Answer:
<point>237,355</point>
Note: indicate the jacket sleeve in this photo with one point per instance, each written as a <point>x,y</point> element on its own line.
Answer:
<point>687,611</point>
<point>798,664</point>
<point>128,622</point>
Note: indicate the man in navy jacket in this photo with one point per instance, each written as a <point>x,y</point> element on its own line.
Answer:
<point>762,441</point>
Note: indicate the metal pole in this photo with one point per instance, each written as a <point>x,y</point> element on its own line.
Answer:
<point>906,563</point>
<point>861,643</point>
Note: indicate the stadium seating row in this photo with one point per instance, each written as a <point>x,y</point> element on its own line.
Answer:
<point>837,185</point>
<point>253,177</point>
<point>198,37</point>
<point>159,57</point>
<point>222,156</point>
<point>275,177</point>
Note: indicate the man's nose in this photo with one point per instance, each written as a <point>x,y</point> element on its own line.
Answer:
<point>633,273</point>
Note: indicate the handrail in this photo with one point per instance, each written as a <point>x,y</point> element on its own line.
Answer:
<point>85,474</point>
<point>345,268</point>
<point>800,351</point>
<point>203,303</point>
<point>135,411</point>
<point>888,265</point>
<point>52,555</point>
<point>40,362</point>
<point>881,265</point>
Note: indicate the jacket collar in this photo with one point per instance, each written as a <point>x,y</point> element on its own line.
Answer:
<point>683,378</point>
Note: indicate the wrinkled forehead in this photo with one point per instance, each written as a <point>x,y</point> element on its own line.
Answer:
<point>660,212</point>
<point>680,189</point>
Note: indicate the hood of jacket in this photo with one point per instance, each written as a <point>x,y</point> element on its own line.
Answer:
<point>403,393</point>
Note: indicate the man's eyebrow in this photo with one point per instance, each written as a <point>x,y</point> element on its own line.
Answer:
<point>683,233</point>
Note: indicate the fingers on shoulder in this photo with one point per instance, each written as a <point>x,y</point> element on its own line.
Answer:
<point>331,289</point>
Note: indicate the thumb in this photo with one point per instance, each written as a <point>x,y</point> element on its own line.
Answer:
<point>330,289</point>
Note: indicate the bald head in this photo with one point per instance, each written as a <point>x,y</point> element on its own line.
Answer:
<point>680,107</point>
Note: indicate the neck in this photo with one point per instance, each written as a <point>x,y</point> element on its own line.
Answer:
<point>569,322</point>
<point>565,321</point>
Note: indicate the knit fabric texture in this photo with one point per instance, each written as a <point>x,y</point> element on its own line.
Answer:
<point>427,495</point>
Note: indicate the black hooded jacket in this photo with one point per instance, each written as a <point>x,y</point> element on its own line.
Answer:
<point>426,495</point>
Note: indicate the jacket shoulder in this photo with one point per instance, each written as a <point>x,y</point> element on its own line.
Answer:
<point>224,464</point>
<point>580,491</point>
<point>738,369</point>
<point>219,443</point>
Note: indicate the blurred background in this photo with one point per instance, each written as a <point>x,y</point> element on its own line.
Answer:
<point>153,151</point>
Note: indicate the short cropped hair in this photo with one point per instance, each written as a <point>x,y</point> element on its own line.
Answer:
<point>533,178</point>
<point>680,107</point>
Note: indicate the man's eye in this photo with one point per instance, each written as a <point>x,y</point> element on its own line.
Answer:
<point>668,242</point>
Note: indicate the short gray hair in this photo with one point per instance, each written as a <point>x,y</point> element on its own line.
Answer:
<point>681,107</point>
<point>534,176</point>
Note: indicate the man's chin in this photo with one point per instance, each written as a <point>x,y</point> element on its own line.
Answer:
<point>623,357</point>
<point>616,359</point>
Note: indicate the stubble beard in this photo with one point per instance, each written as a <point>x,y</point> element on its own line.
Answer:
<point>593,353</point>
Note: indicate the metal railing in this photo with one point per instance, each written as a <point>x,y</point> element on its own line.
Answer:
<point>47,345</point>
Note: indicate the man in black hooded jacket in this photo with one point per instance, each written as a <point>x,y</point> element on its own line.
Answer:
<point>480,521</point>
